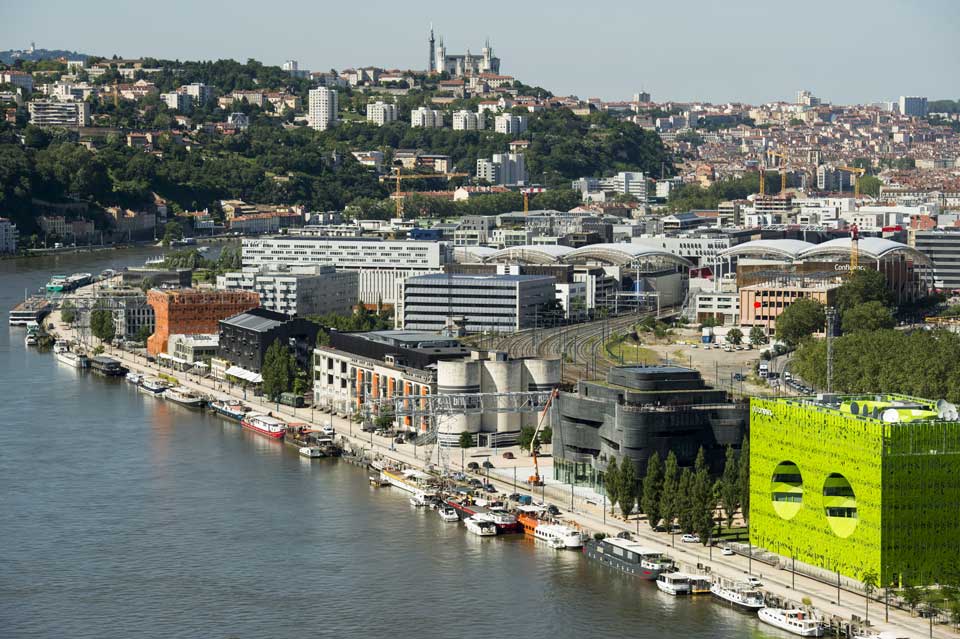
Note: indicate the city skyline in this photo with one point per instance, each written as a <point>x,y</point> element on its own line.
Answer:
<point>750,53</point>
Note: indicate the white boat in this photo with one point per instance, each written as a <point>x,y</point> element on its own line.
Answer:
<point>481,525</point>
<point>134,378</point>
<point>153,385</point>
<point>557,543</point>
<point>411,480</point>
<point>797,622</point>
<point>448,514</point>
<point>30,340</point>
<point>71,359</point>
<point>568,537</point>
<point>60,346</point>
<point>674,583</point>
<point>185,397</point>
<point>739,594</point>
<point>311,451</point>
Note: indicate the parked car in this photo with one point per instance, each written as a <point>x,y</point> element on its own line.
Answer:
<point>476,483</point>
<point>490,488</point>
<point>329,431</point>
<point>690,539</point>
<point>727,551</point>
<point>553,510</point>
<point>508,455</point>
<point>754,582</point>
<point>487,464</point>
<point>473,466</point>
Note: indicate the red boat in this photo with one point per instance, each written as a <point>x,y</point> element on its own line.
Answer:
<point>505,522</point>
<point>265,425</point>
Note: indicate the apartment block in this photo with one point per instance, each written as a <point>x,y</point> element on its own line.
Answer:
<point>322,109</point>
<point>381,113</point>
<point>297,290</point>
<point>426,118</point>
<point>47,113</point>
<point>468,121</point>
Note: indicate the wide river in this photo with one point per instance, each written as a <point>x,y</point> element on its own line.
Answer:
<point>125,516</point>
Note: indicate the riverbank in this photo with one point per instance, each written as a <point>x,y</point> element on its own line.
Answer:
<point>583,514</point>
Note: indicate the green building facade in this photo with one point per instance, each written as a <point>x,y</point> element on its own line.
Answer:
<point>857,483</point>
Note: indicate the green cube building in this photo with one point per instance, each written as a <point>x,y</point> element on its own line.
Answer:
<point>853,484</point>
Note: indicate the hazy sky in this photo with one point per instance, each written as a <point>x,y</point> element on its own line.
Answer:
<point>749,50</point>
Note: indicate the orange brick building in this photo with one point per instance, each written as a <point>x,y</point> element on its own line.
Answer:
<point>193,311</point>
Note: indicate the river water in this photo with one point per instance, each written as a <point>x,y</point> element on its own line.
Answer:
<point>123,516</point>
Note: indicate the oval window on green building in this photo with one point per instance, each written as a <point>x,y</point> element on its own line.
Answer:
<point>786,490</point>
<point>840,505</point>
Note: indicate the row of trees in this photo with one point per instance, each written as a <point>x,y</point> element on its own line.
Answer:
<point>689,497</point>
<point>280,372</point>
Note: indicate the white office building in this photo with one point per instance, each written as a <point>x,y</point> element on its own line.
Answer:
<point>59,114</point>
<point>913,106</point>
<point>507,169</point>
<point>297,290</point>
<point>380,264</point>
<point>381,113</point>
<point>177,101</point>
<point>501,303</point>
<point>510,124</point>
<point>426,118</point>
<point>468,121</point>
<point>198,92</point>
<point>322,109</point>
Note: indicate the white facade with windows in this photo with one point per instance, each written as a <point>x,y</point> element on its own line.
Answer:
<point>322,109</point>
<point>380,264</point>
<point>297,290</point>
<point>507,169</point>
<point>468,121</point>
<point>177,101</point>
<point>510,124</point>
<point>8,236</point>
<point>63,114</point>
<point>501,303</point>
<point>426,118</point>
<point>381,113</point>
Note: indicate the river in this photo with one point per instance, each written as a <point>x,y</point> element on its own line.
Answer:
<point>123,515</point>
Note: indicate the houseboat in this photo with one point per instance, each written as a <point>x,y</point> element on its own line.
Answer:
<point>674,583</point>
<point>264,425</point>
<point>797,622</point>
<point>629,556</point>
<point>107,366</point>
<point>32,309</point>
<point>480,525</point>
<point>153,385</point>
<point>739,594</point>
<point>185,397</point>
<point>231,409</point>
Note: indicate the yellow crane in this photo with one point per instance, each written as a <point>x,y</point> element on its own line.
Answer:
<point>857,172</point>
<point>854,249</point>
<point>783,168</point>
<point>526,196</point>
<point>398,175</point>
<point>535,479</point>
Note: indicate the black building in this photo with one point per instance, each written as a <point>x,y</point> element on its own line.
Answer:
<point>639,410</point>
<point>245,338</point>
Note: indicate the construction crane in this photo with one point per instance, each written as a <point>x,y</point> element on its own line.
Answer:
<point>526,196</point>
<point>763,182</point>
<point>783,168</point>
<point>857,172</point>
<point>854,248</point>
<point>398,176</point>
<point>535,479</point>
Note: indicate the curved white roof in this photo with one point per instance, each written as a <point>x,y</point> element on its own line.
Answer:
<point>621,254</point>
<point>471,254</point>
<point>875,248</point>
<point>788,249</point>
<point>530,254</point>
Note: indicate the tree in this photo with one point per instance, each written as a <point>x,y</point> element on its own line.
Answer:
<point>611,483</point>
<point>652,490</point>
<point>911,596</point>
<point>869,580</point>
<point>743,481</point>
<point>68,312</point>
<point>526,437</point>
<point>870,316</point>
<point>730,486</point>
<point>758,336</point>
<point>143,334</point>
<point>799,320</point>
<point>628,487</point>
<point>735,336</point>
<point>704,500</point>
<point>862,286</point>
<point>102,325</point>
<point>277,372</point>
<point>669,496</point>
<point>465,440</point>
<point>685,502</point>
<point>171,233</point>
<point>385,418</point>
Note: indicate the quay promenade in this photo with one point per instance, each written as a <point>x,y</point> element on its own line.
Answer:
<point>586,515</point>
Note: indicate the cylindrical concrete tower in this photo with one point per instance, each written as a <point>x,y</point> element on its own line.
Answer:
<point>504,377</point>
<point>454,377</point>
<point>539,375</point>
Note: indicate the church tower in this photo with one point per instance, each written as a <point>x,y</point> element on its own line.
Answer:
<point>487,57</point>
<point>432,60</point>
